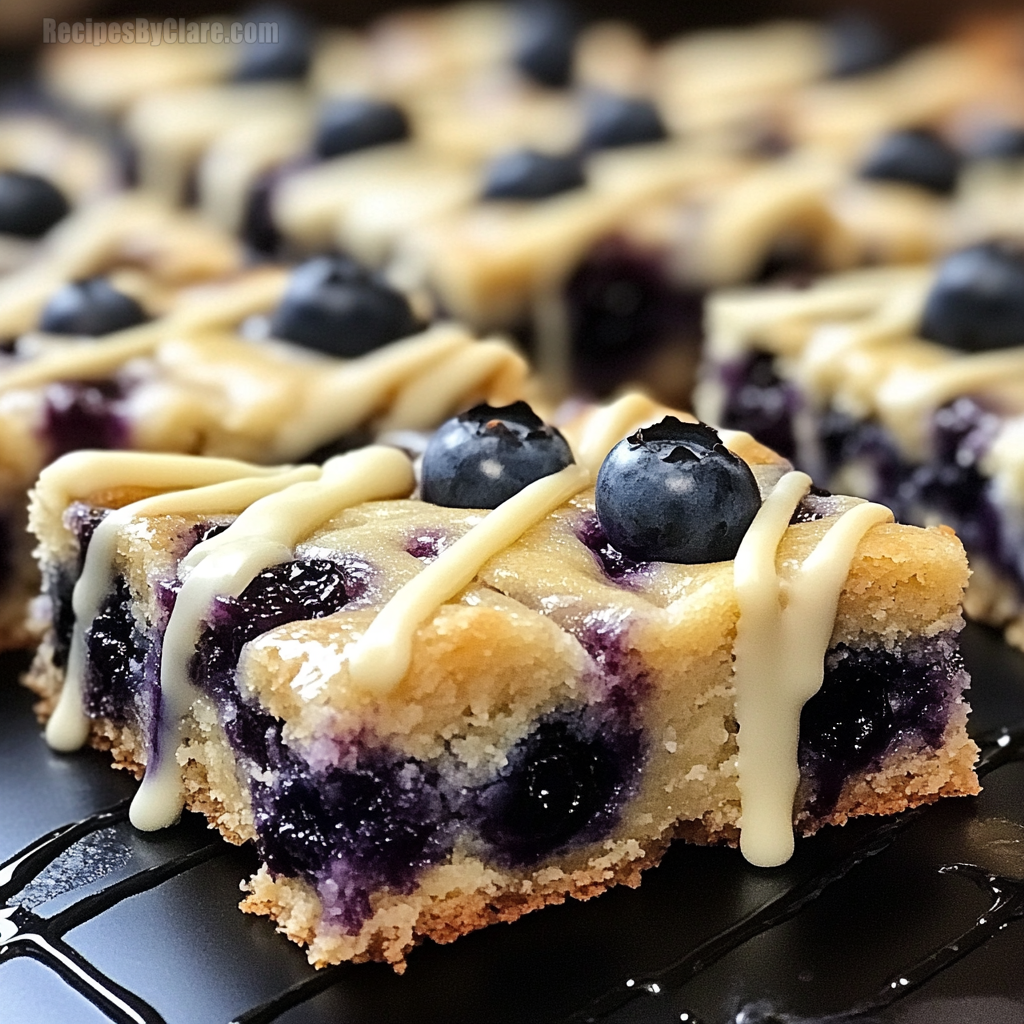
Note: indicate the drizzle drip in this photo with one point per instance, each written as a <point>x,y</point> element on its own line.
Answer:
<point>781,640</point>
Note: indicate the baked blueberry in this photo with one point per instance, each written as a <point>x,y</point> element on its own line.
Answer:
<point>999,142</point>
<point>282,48</point>
<point>529,174</point>
<point>673,492</point>
<point>857,43</point>
<point>560,786</point>
<point>486,455</point>
<point>91,307</point>
<point>914,156</point>
<point>546,32</point>
<point>977,300</point>
<point>348,125</point>
<point>334,305</point>
<point>614,120</point>
<point>29,205</point>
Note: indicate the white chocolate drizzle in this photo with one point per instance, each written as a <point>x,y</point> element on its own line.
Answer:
<point>264,534</point>
<point>782,635</point>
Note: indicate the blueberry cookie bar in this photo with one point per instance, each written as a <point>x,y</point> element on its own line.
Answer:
<point>433,713</point>
<point>904,386</point>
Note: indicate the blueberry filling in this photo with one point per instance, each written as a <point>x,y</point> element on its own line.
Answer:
<point>871,701</point>
<point>349,125</point>
<point>116,650</point>
<point>760,402</point>
<point>564,783</point>
<point>913,156</point>
<point>623,310</point>
<point>426,544</point>
<point>92,307</point>
<point>59,584</point>
<point>84,414</point>
<point>29,205</point>
<point>375,818</point>
<point>529,174</point>
<point>672,492</point>
<point>616,566</point>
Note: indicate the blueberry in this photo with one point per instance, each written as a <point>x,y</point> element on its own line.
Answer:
<point>545,35</point>
<point>486,455</point>
<point>564,782</point>
<point>914,156</point>
<point>334,305</point>
<point>528,174</point>
<point>283,52</point>
<point>348,125</point>
<point>91,307</point>
<point>857,43</point>
<point>614,120</point>
<point>673,492</point>
<point>977,300</point>
<point>1001,142</point>
<point>29,205</point>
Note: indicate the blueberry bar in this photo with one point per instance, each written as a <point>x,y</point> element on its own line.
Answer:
<point>436,709</point>
<point>902,386</point>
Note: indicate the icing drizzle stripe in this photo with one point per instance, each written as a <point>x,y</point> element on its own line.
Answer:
<point>781,639</point>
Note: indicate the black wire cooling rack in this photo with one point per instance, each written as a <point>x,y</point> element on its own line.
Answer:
<point>879,921</point>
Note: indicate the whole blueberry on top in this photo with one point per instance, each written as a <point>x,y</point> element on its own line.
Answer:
<point>91,307</point>
<point>857,43</point>
<point>29,205</point>
<point>673,492</point>
<point>528,174</point>
<point>486,455</point>
<point>336,306</point>
<point>348,125</point>
<point>914,156</point>
<point>282,48</point>
<point>999,142</point>
<point>977,300</point>
<point>613,120</point>
<point>545,35</point>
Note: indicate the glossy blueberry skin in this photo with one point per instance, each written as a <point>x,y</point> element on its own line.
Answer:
<point>857,43</point>
<point>614,121</point>
<point>29,205</point>
<point>977,300</point>
<point>288,58</point>
<point>486,455</point>
<point>915,157</point>
<point>545,36</point>
<point>673,492</point>
<point>528,174</point>
<point>1002,142</point>
<point>91,307</point>
<point>348,125</point>
<point>336,306</point>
